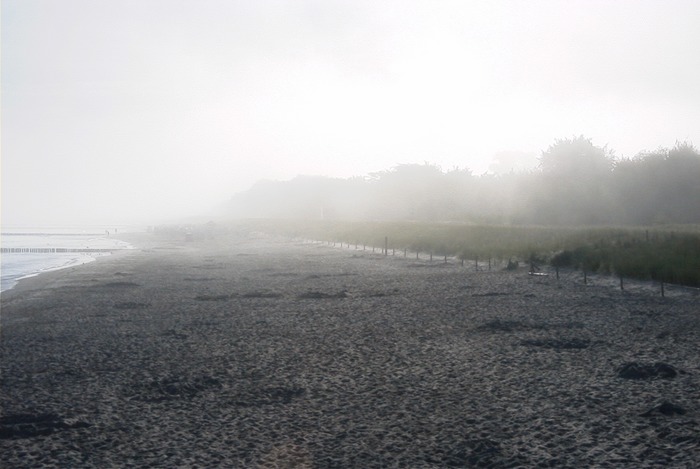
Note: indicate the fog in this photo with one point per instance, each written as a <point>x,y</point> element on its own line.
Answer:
<point>576,183</point>
<point>146,111</point>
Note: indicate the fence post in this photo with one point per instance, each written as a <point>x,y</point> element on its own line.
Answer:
<point>622,286</point>
<point>476,263</point>
<point>386,245</point>
<point>662,289</point>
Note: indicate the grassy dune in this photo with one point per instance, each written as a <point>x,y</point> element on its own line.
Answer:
<point>666,253</point>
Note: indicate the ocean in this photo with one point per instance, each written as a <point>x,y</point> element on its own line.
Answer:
<point>29,251</point>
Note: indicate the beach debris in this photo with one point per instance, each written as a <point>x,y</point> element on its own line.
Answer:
<point>32,425</point>
<point>656,370</point>
<point>665,408</point>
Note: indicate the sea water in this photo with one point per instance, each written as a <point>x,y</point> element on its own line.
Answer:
<point>19,265</point>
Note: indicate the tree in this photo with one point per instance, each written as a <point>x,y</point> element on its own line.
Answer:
<point>660,187</point>
<point>574,178</point>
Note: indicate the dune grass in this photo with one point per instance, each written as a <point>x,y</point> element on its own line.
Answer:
<point>669,254</point>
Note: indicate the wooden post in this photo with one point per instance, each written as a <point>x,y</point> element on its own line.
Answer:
<point>662,289</point>
<point>431,256</point>
<point>476,263</point>
<point>489,264</point>
<point>416,255</point>
<point>622,286</point>
<point>462,261</point>
<point>405,251</point>
<point>557,271</point>
<point>445,258</point>
<point>386,245</point>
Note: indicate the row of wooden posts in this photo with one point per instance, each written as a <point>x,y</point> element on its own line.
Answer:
<point>385,251</point>
<point>50,250</point>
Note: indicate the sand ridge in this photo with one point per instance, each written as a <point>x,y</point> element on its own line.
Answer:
<point>259,352</point>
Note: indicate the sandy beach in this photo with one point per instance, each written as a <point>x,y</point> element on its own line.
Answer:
<point>260,352</point>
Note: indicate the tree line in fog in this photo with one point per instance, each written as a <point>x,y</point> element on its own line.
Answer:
<point>575,183</point>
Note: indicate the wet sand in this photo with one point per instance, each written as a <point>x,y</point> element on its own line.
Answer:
<point>264,353</point>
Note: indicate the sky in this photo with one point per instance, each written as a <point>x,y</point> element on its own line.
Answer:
<point>143,111</point>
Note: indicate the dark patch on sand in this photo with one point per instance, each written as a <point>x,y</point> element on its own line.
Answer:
<point>503,325</point>
<point>174,334</point>
<point>118,285</point>
<point>558,344</point>
<point>32,425</point>
<point>199,279</point>
<point>212,297</point>
<point>172,388</point>
<point>317,295</point>
<point>666,408</point>
<point>656,370</point>
<point>490,294</point>
<point>269,396</point>
<point>131,305</point>
<point>261,294</point>
<point>480,452</point>
<point>498,325</point>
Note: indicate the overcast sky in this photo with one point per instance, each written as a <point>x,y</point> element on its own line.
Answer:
<point>116,110</point>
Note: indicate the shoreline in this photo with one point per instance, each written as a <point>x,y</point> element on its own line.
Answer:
<point>261,353</point>
<point>77,262</point>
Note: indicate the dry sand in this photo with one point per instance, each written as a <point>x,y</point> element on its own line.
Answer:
<point>262,353</point>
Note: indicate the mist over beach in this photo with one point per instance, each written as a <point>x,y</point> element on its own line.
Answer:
<point>151,112</point>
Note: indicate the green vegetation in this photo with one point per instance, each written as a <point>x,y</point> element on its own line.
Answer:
<point>667,254</point>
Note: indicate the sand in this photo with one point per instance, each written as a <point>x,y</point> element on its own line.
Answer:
<point>259,352</point>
